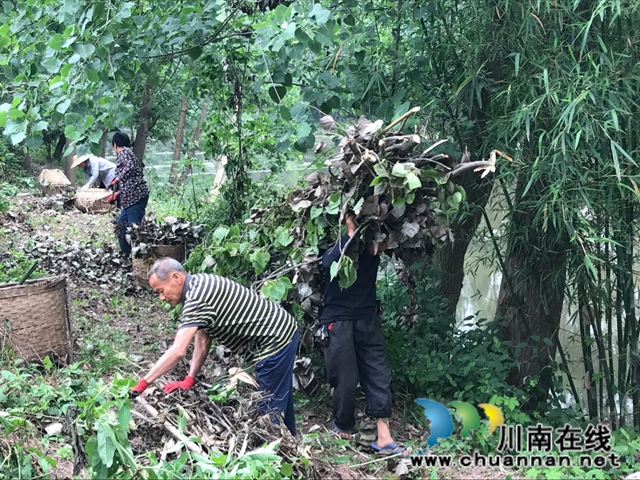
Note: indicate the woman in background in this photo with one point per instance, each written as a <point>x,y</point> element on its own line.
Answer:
<point>133,193</point>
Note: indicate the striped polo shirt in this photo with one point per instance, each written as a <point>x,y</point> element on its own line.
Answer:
<point>235,316</point>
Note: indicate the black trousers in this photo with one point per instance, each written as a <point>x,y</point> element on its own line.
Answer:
<point>355,352</point>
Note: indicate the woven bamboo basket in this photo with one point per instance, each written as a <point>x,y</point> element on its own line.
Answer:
<point>93,200</point>
<point>34,319</point>
<point>141,266</point>
<point>53,181</point>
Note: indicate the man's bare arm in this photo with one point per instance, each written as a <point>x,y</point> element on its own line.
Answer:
<point>200,352</point>
<point>173,355</point>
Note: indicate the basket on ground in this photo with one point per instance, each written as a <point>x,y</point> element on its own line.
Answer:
<point>142,265</point>
<point>53,181</point>
<point>34,319</point>
<point>93,200</point>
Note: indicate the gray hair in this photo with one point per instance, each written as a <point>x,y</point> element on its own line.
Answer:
<point>165,267</point>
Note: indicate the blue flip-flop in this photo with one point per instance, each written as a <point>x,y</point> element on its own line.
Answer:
<point>392,449</point>
<point>340,432</point>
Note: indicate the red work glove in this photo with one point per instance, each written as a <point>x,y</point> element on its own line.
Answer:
<point>138,389</point>
<point>114,181</point>
<point>185,384</point>
<point>113,197</point>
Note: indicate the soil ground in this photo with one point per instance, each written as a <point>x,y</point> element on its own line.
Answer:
<point>126,329</point>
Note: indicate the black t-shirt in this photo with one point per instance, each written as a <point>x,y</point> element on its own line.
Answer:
<point>357,301</point>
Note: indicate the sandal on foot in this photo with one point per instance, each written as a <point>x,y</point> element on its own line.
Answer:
<point>392,449</point>
<point>343,434</point>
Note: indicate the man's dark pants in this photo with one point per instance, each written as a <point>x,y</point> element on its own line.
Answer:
<point>275,376</point>
<point>129,215</point>
<point>356,352</point>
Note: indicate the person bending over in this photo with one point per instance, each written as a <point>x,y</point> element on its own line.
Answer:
<point>217,308</point>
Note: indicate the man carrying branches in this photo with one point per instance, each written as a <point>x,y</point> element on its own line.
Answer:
<point>356,348</point>
<point>218,308</point>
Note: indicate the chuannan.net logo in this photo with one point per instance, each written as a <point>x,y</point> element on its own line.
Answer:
<point>441,421</point>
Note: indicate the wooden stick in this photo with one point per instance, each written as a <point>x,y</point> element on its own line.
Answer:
<point>381,459</point>
<point>397,121</point>
<point>170,428</point>
<point>468,166</point>
<point>439,142</point>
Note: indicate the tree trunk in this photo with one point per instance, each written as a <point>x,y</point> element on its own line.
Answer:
<point>177,147</point>
<point>57,153</point>
<point>26,161</point>
<point>142,133</point>
<point>531,296</point>
<point>450,259</point>
<point>68,171</point>
<point>196,139</point>
<point>103,142</point>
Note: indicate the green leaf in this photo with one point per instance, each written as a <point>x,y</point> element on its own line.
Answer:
<point>347,275</point>
<point>333,271</point>
<point>380,170</point>
<point>92,75</point>
<point>16,138</point>
<point>260,259</point>
<point>71,133</point>
<point>285,114</point>
<point>3,119</point>
<point>106,448</point>
<point>324,35</point>
<point>124,417</point>
<point>276,290</point>
<point>590,267</point>
<point>413,182</point>
<point>56,42</point>
<point>107,38</point>
<point>334,203</point>
<point>62,107</point>
<point>95,136</point>
<point>315,212</point>
<point>320,13</point>
<point>40,126</point>
<point>277,92</point>
<point>283,237</point>
<point>399,170</point>
<point>286,470</point>
<point>398,202</point>
<point>377,180</point>
<point>195,53</point>
<point>303,130</point>
<point>85,50</point>
<point>616,162</point>
<point>33,142</point>
<point>15,113</point>
<point>76,120</point>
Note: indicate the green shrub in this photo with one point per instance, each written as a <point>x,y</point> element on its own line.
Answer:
<point>432,358</point>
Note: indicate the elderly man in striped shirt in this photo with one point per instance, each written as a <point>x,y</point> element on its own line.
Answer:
<point>218,308</point>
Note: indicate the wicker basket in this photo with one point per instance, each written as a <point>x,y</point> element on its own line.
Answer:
<point>93,200</point>
<point>34,319</point>
<point>53,181</point>
<point>141,266</point>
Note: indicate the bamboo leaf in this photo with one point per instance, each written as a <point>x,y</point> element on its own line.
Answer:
<point>589,265</point>
<point>616,163</point>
